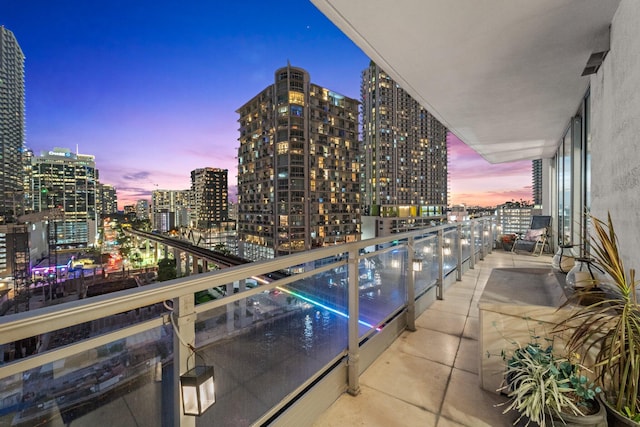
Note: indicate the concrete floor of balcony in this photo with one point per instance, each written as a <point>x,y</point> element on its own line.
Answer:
<point>430,377</point>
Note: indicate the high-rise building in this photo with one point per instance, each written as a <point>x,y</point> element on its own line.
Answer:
<point>536,170</point>
<point>67,181</point>
<point>515,217</point>
<point>298,168</point>
<point>142,209</point>
<point>209,192</point>
<point>12,126</point>
<point>403,162</point>
<point>107,202</point>
<point>130,212</point>
<point>27,182</point>
<point>170,209</point>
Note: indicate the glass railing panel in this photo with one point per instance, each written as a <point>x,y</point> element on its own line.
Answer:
<point>466,242</point>
<point>263,347</point>
<point>426,250</point>
<point>126,379</point>
<point>477,230</point>
<point>382,286</point>
<point>449,251</point>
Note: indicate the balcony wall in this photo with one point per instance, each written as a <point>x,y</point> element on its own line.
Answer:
<point>615,105</point>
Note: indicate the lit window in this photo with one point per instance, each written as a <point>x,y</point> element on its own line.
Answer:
<point>296,98</point>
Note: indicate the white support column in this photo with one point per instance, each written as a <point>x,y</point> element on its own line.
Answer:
<point>440,284</point>
<point>411,288</point>
<point>184,318</point>
<point>195,265</point>
<point>176,256</point>
<point>490,238</point>
<point>472,244</point>
<point>354,348</point>
<point>483,247</point>
<point>459,252</point>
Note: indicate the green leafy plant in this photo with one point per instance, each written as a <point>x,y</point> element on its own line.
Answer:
<point>540,384</point>
<point>610,328</point>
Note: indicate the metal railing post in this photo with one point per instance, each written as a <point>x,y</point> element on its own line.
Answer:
<point>482,242</point>
<point>411,288</point>
<point>472,244</point>
<point>353,362</point>
<point>184,318</point>
<point>440,288</point>
<point>490,237</point>
<point>459,252</point>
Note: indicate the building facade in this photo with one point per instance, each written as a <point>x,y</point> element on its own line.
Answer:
<point>536,181</point>
<point>403,163</point>
<point>298,183</point>
<point>142,209</point>
<point>67,181</point>
<point>210,196</point>
<point>107,203</point>
<point>515,217</point>
<point>170,209</point>
<point>12,126</point>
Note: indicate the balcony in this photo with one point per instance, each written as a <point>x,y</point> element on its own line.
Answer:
<point>283,351</point>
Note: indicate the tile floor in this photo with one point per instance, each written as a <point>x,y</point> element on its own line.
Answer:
<point>429,378</point>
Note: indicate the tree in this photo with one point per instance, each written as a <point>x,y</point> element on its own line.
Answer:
<point>167,269</point>
<point>220,247</point>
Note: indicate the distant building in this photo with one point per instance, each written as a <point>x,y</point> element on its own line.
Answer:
<point>233,211</point>
<point>536,169</point>
<point>130,211</point>
<point>14,253</point>
<point>170,209</point>
<point>12,126</point>
<point>107,200</point>
<point>515,217</point>
<point>27,181</point>
<point>210,197</point>
<point>67,181</point>
<point>403,162</point>
<point>458,213</point>
<point>298,183</point>
<point>142,210</point>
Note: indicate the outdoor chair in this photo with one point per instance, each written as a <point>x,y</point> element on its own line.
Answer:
<point>536,237</point>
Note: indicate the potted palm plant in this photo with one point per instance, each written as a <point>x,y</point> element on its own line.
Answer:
<point>609,329</point>
<point>550,390</point>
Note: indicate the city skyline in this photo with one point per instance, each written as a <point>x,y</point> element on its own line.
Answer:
<point>152,92</point>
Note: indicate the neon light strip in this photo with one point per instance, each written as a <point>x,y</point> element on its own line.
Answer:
<point>319,304</point>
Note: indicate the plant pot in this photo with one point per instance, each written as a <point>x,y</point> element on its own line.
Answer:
<point>599,419</point>
<point>507,246</point>
<point>615,418</point>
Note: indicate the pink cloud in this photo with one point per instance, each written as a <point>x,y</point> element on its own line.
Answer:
<point>474,181</point>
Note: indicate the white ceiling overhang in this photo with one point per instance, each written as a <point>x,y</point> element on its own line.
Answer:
<point>503,75</point>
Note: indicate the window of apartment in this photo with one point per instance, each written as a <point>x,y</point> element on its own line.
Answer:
<point>572,178</point>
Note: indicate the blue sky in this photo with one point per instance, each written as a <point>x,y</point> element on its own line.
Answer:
<point>151,87</point>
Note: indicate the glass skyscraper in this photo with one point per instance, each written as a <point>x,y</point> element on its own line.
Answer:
<point>12,126</point>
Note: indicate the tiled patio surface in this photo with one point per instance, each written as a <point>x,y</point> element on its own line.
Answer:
<point>430,377</point>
